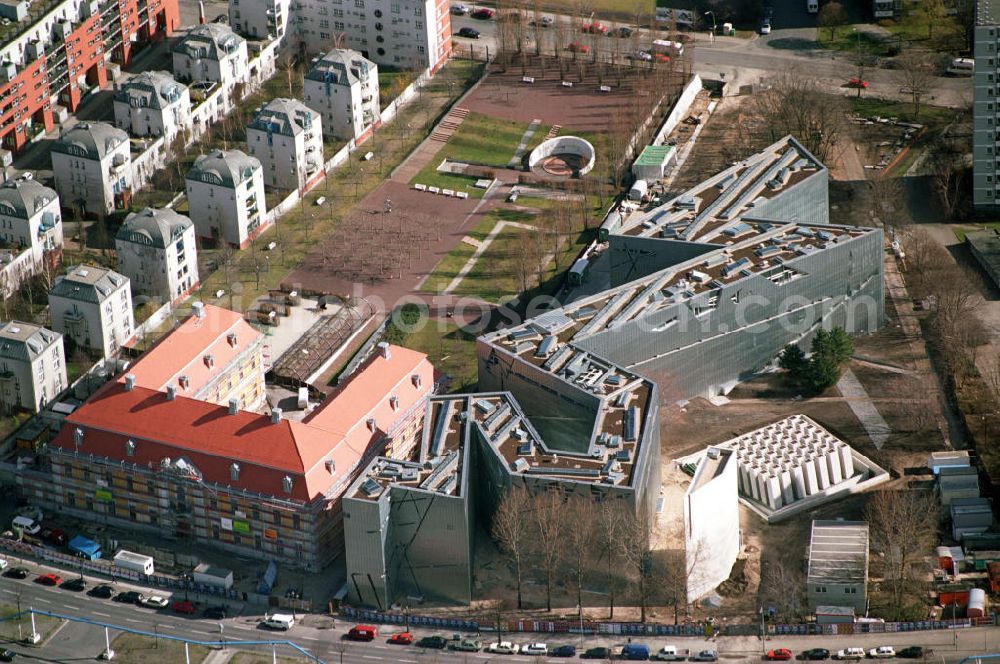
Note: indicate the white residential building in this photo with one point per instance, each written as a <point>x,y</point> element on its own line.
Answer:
<point>152,104</point>
<point>342,86</point>
<point>212,52</point>
<point>711,522</point>
<point>32,366</point>
<point>92,166</point>
<point>410,34</point>
<point>93,307</point>
<point>157,252</point>
<point>287,138</point>
<point>225,191</point>
<point>986,107</point>
<point>31,232</point>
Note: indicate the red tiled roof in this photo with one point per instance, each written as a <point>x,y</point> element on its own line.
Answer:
<point>208,436</point>
<point>183,351</point>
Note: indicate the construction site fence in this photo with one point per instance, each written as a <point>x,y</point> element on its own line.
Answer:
<point>656,629</point>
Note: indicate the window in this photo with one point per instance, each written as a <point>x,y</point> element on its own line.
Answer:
<point>339,13</point>
<point>324,23</point>
<point>395,8</point>
<point>338,25</point>
<point>359,3</point>
<point>420,25</point>
<point>324,35</point>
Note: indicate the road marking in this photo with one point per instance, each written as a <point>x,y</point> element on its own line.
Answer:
<point>8,592</point>
<point>250,629</point>
<point>43,600</point>
<point>310,638</point>
<point>166,626</point>
<point>103,615</point>
<point>133,620</point>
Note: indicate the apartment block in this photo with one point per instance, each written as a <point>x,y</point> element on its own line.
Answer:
<point>53,60</point>
<point>32,367</point>
<point>152,104</point>
<point>211,52</point>
<point>225,189</point>
<point>31,232</point>
<point>92,167</point>
<point>342,86</point>
<point>287,138</point>
<point>92,306</point>
<point>157,252</point>
<point>409,34</point>
<point>986,106</point>
<point>256,485</point>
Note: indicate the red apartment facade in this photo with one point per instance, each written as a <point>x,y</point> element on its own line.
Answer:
<point>57,58</point>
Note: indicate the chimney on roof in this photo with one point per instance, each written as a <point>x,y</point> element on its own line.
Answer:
<point>275,415</point>
<point>371,424</point>
<point>129,382</point>
<point>231,338</point>
<point>184,381</point>
<point>234,406</point>
<point>171,392</point>
<point>198,309</point>
<point>331,466</point>
<point>383,349</point>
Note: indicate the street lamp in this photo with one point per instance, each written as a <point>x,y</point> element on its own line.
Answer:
<point>710,12</point>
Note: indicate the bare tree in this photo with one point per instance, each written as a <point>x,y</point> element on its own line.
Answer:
<point>933,11</point>
<point>831,16</point>
<point>579,542</point>
<point>609,530</point>
<point>794,104</point>
<point>550,523</point>
<point>639,558</point>
<point>916,75</point>
<point>782,583</point>
<point>949,167</point>
<point>889,200</point>
<point>509,531</point>
<point>903,526</point>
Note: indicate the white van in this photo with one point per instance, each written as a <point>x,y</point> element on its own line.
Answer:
<point>26,524</point>
<point>282,621</point>
<point>962,67</point>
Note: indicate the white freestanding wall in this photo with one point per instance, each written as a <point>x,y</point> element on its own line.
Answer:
<point>711,522</point>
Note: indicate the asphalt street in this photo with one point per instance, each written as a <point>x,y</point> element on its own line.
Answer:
<point>323,636</point>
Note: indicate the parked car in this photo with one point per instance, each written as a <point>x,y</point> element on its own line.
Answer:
<point>185,606</point>
<point>543,22</point>
<point>642,56</point>
<point>54,537</point>
<point>401,638</point>
<point>624,32</point>
<point>635,652</point>
<point>7,655</point>
<point>577,47</point>
<point>221,18</point>
<point>671,653</point>
<point>128,597</point>
<point>79,584</point>
<point>49,579</point>
<point>882,652</point>
<point>215,613</point>
<point>362,633</point>
<point>466,645</point>
<point>101,592</point>
<point>3,563</point>
<point>706,656</point>
<point>595,28</point>
<point>535,649</point>
<point>154,602</point>
<point>468,33</point>
<point>563,651</point>
<point>914,652</point>
<point>503,648</point>
<point>599,652</point>
<point>483,13</point>
<point>816,653</point>
<point>435,642</point>
<point>857,83</point>
<point>459,10</point>
<point>779,654</point>
<point>765,26</point>
<point>17,573</point>
<point>850,653</point>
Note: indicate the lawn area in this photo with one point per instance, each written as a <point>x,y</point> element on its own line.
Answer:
<point>8,628</point>
<point>929,115</point>
<point>913,27</point>
<point>430,176</point>
<point>961,230</point>
<point>482,139</point>
<point>135,649</point>
<point>450,349</point>
<point>391,83</point>
<point>846,38</point>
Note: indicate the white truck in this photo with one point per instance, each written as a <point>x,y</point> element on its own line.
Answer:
<point>671,654</point>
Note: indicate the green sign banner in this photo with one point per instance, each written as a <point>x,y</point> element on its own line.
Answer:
<point>241,526</point>
<point>104,496</point>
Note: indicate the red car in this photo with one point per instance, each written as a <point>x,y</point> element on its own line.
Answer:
<point>401,639</point>
<point>482,13</point>
<point>185,606</point>
<point>661,57</point>
<point>577,47</point>
<point>362,633</point>
<point>595,28</point>
<point>857,83</point>
<point>779,654</point>
<point>49,579</point>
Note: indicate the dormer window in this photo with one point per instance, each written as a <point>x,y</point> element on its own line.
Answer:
<point>286,484</point>
<point>130,447</point>
<point>394,402</point>
<point>234,472</point>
